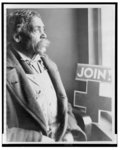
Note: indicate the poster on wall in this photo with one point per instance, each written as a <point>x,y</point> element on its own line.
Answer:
<point>59,74</point>
<point>93,101</point>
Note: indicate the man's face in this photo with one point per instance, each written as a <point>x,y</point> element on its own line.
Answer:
<point>36,41</point>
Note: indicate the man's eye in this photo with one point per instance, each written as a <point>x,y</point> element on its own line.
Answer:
<point>36,30</point>
<point>39,30</point>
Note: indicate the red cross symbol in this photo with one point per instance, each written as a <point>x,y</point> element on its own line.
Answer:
<point>92,101</point>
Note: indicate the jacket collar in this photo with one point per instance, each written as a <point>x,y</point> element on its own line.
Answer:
<point>11,57</point>
<point>19,56</point>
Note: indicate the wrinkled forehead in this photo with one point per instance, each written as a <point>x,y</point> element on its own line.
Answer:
<point>36,22</point>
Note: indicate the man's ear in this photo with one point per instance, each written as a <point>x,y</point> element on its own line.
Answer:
<point>16,37</point>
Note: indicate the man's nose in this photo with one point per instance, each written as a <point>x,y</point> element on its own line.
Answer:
<point>43,36</point>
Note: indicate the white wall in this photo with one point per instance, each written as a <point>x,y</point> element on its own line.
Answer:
<point>108,35</point>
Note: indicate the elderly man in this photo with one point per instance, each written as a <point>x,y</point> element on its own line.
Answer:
<point>37,105</point>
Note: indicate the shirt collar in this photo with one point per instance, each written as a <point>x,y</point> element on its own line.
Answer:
<point>25,58</point>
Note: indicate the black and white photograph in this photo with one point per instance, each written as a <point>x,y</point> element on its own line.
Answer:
<point>59,74</point>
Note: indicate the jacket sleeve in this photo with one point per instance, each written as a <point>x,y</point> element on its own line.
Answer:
<point>73,127</point>
<point>22,135</point>
<point>15,133</point>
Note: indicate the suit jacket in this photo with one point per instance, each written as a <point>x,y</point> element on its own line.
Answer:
<point>25,120</point>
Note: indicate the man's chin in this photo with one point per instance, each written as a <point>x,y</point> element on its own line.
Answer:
<point>42,50</point>
<point>42,45</point>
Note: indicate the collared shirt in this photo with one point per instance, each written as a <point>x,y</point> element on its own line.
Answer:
<point>43,89</point>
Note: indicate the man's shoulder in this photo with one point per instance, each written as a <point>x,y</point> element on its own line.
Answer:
<point>9,50</point>
<point>10,58</point>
